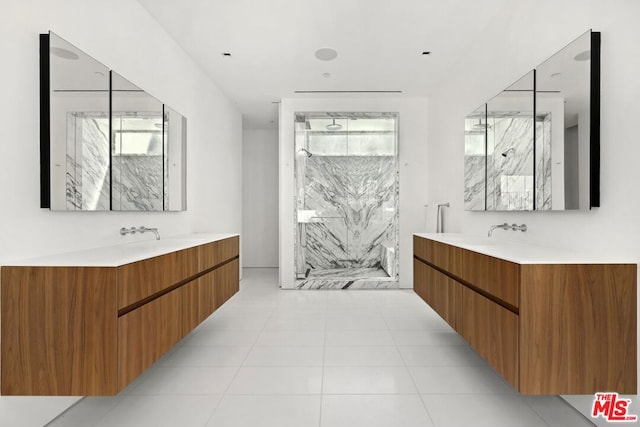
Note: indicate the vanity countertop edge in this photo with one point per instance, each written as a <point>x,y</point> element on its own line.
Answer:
<point>122,254</point>
<point>522,253</point>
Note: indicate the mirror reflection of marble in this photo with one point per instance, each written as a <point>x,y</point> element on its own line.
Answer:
<point>506,170</point>
<point>79,129</point>
<point>510,147</point>
<point>137,148</point>
<point>109,145</point>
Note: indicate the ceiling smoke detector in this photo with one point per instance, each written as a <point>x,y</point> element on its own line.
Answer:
<point>326,54</point>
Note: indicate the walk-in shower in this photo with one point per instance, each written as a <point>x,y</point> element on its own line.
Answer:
<point>346,200</point>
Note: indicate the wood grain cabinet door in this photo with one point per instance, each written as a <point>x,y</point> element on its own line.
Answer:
<point>442,293</point>
<point>492,331</point>
<point>146,333</point>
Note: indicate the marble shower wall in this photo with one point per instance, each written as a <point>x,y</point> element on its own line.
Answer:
<point>87,168</point>
<point>137,182</point>
<point>543,161</point>
<point>354,205</point>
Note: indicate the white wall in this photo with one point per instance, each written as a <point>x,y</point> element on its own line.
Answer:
<point>522,37</point>
<point>122,35</point>
<point>412,151</point>
<point>260,198</point>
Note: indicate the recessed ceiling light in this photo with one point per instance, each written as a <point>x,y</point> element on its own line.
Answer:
<point>226,54</point>
<point>426,52</point>
<point>98,73</point>
<point>63,53</point>
<point>555,75</point>
<point>326,75</point>
<point>326,54</point>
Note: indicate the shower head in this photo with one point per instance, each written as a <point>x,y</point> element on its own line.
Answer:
<point>509,151</point>
<point>307,152</point>
<point>334,126</point>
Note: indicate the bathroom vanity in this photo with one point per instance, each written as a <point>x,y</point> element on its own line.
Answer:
<point>88,323</point>
<point>548,321</point>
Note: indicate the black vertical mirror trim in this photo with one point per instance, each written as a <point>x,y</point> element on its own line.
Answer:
<point>45,132</point>
<point>594,133</point>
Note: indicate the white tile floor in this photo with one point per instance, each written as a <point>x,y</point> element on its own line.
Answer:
<point>325,358</point>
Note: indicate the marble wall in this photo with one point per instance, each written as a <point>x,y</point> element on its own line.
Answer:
<point>87,168</point>
<point>352,207</point>
<point>509,165</point>
<point>138,183</point>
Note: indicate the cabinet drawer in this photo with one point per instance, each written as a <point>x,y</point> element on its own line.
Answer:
<point>442,293</point>
<point>139,280</point>
<point>199,301</point>
<point>227,282</point>
<point>146,333</point>
<point>493,332</point>
<point>215,253</point>
<point>497,277</point>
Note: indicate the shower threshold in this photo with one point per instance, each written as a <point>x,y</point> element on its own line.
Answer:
<point>348,278</point>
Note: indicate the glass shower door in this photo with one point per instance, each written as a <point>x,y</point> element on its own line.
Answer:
<point>346,197</point>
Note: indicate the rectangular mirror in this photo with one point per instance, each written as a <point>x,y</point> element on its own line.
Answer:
<point>105,143</point>
<point>79,129</point>
<point>137,148</point>
<point>510,147</point>
<point>564,97</point>
<point>539,137</point>
<point>475,160</point>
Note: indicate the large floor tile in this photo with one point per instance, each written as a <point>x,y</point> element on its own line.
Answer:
<point>481,411</point>
<point>459,380</point>
<point>429,355</point>
<point>369,337</point>
<point>204,355</point>
<point>430,337</point>
<point>356,323</point>
<point>289,338</point>
<point>424,322</point>
<point>161,411</point>
<point>223,337</point>
<point>367,380</point>
<point>86,413</point>
<point>29,411</point>
<point>374,411</point>
<point>187,380</point>
<point>362,356</point>
<point>277,380</point>
<point>267,411</point>
<point>285,356</point>
<point>556,412</point>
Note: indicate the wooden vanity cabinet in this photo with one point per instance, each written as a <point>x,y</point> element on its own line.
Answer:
<point>92,330</point>
<point>546,328</point>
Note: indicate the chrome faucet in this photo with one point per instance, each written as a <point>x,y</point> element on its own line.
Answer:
<point>505,226</point>
<point>140,230</point>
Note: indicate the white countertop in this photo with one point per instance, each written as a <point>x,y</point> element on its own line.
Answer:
<point>116,255</point>
<point>522,253</point>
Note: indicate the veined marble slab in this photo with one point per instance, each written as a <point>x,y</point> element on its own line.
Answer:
<point>355,202</point>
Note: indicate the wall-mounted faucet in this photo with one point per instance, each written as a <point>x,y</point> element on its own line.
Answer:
<point>141,230</point>
<point>505,226</point>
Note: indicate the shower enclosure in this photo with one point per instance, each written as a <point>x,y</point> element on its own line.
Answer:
<point>346,200</point>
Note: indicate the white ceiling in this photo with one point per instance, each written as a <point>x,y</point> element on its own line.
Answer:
<point>379,45</point>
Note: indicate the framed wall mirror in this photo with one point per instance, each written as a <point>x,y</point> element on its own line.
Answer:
<point>541,137</point>
<point>106,144</point>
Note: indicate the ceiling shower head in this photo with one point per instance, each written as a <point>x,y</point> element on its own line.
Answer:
<point>334,126</point>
